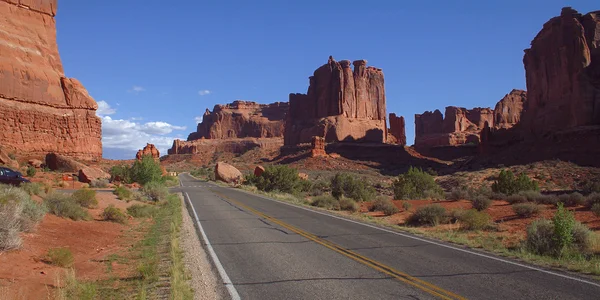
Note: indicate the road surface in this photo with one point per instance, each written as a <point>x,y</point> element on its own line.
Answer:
<point>272,250</point>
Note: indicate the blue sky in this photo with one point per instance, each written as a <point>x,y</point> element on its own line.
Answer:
<point>155,66</point>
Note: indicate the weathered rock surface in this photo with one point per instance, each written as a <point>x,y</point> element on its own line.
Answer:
<point>562,69</point>
<point>149,150</point>
<point>57,162</point>
<point>397,129</point>
<point>41,110</point>
<point>318,147</point>
<point>36,163</point>
<point>227,173</point>
<point>242,119</point>
<point>509,109</point>
<point>341,105</point>
<point>259,170</point>
<point>210,146</point>
<point>7,161</point>
<point>89,174</point>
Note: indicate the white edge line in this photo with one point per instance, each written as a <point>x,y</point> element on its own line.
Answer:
<point>427,241</point>
<point>226,281</point>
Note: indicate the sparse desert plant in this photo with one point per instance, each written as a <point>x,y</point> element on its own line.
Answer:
<point>121,173</point>
<point>65,206</point>
<point>349,205</point>
<point>596,209</point>
<point>573,199</point>
<point>171,181</point>
<point>346,185</point>
<point>33,212</point>
<point>591,186</point>
<point>10,227</point>
<point>122,192</point>
<point>413,185</point>
<point>458,193</point>
<point>113,214</point>
<point>302,186</point>
<point>319,188</point>
<point>481,203</point>
<point>12,156</point>
<point>142,211</point>
<point>384,205</point>
<point>544,238</point>
<point>31,171</point>
<point>278,178</point>
<point>32,188</point>
<point>508,184</point>
<point>62,257</point>
<point>474,220</point>
<point>547,199</point>
<point>146,170</point>
<point>325,201</point>
<point>540,237</point>
<point>526,210</point>
<point>582,238</point>
<point>516,198</point>
<point>406,205</point>
<point>100,183</point>
<point>155,190</point>
<point>85,198</point>
<point>593,198</point>
<point>433,215</point>
<point>564,222</point>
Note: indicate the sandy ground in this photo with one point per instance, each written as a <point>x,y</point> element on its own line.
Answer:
<point>204,279</point>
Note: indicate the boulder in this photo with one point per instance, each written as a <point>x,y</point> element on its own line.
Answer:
<point>36,163</point>
<point>259,170</point>
<point>227,173</point>
<point>303,176</point>
<point>89,174</point>
<point>57,162</point>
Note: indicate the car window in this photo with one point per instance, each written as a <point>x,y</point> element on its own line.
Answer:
<point>9,172</point>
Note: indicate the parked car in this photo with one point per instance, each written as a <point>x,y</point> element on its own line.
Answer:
<point>8,176</point>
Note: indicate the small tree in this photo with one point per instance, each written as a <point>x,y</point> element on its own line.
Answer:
<point>507,183</point>
<point>281,178</point>
<point>564,222</point>
<point>416,184</point>
<point>343,184</point>
<point>146,170</point>
<point>121,173</point>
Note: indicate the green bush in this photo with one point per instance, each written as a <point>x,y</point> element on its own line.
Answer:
<point>113,214</point>
<point>508,184</point>
<point>319,188</point>
<point>543,238</point>
<point>582,238</point>
<point>171,181</point>
<point>416,184</point>
<point>62,257</point>
<point>349,205</point>
<point>481,203</point>
<point>155,190</point>
<point>32,213</point>
<point>526,210</point>
<point>433,215</point>
<point>302,186</point>
<point>406,206</point>
<point>384,205</point>
<point>85,198</point>
<point>99,183</point>
<point>122,192</point>
<point>146,170</point>
<point>32,188</point>
<point>326,201</point>
<point>593,198</point>
<point>65,206</point>
<point>570,200</point>
<point>346,185</point>
<point>540,237</point>
<point>474,220</point>
<point>121,173</point>
<point>458,193</point>
<point>142,211</point>
<point>31,171</point>
<point>516,198</point>
<point>278,178</point>
<point>591,186</point>
<point>596,209</point>
<point>564,222</point>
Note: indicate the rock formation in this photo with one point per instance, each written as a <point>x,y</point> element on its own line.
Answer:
<point>150,150</point>
<point>318,147</point>
<point>57,162</point>
<point>259,170</point>
<point>397,129</point>
<point>41,110</point>
<point>228,173</point>
<point>89,174</point>
<point>508,110</point>
<point>341,105</point>
<point>562,69</point>
<point>242,119</point>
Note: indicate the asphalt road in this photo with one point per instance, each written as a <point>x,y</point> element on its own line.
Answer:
<point>273,250</point>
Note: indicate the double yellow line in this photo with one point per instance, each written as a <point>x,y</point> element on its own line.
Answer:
<point>418,283</point>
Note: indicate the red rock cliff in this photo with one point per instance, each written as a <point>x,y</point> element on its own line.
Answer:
<point>341,104</point>
<point>562,68</point>
<point>41,110</point>
<point>242,119</point>
<point>397,129</point>
<point>508,110</point>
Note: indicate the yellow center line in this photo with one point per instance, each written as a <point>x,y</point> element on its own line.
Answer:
<point>416,282</point>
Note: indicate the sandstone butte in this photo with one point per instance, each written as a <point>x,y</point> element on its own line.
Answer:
<point>41,110</point>
<point>398,129</point>
<point>341,104</point>
<point>238,120</point>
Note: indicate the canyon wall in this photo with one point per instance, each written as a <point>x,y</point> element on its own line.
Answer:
<point>41,110</point>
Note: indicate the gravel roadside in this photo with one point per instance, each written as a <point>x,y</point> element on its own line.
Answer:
<point>204,280</point>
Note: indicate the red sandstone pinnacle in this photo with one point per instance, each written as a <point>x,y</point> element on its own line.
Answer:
<point>318,147</point>
<point>150,150</point>
<point>397,129</point>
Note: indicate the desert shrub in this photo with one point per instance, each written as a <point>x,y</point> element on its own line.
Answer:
<point>113,214</point>
<point>171,181</point>
<point>474,220</point>
<point>319,188</point>
<point>405,205</point>
<point>122,192</point>
<point>142,211</point>
<point>582,236</point>
<point>62,257</point>
<point>33,212</point>
<point>564,222</point>
<point>547,199</point>
<point>414,184</point>
<point>540,237</point>
<point>384,205</point>
<point>100,183</point>
<point>11,208</point>
<point>433,215</point>
<point>146,170</point>
<point>155,190</point>
<point>85,198</point>
<point>325,201</point>
<point>139,196</point>
<point>65,206</point>
<point>516,198</point>
<point>278,178</point>
<point>302,186</point>
<point>508,184</point>
<point>32,188</point>
<point>570,200</point>
<point>202,172</point>
<point>346,185</point>
<point>526,210</point>
<point>544,238</point>
<point>454,215</point>
<point>458,193</point>
<point>12,156</point>
<point>31,171</point>
<point>121,173</point>
<point>593,198</point>
<point>481,203</point>
<point>591,186</point>
<point>596,209</point>
<point>349,205</point>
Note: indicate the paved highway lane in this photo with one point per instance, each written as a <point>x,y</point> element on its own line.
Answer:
<point>273,250</point>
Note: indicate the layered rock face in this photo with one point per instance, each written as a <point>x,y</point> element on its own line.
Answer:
<point>562,68</point>
<point>242,119</point>
<point>508,111</point>
<point>397,129</point>
<point>460,126</point>
<point>41,110</point>
<point>341,104</point>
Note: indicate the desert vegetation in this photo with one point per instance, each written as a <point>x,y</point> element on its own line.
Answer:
<point>18,213</point>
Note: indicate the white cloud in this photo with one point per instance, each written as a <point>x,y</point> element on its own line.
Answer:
<point>198,119</point>
<point>161,128</point>
<point>204,92</point>
<point>136,89</point>
<point>104,109</point>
